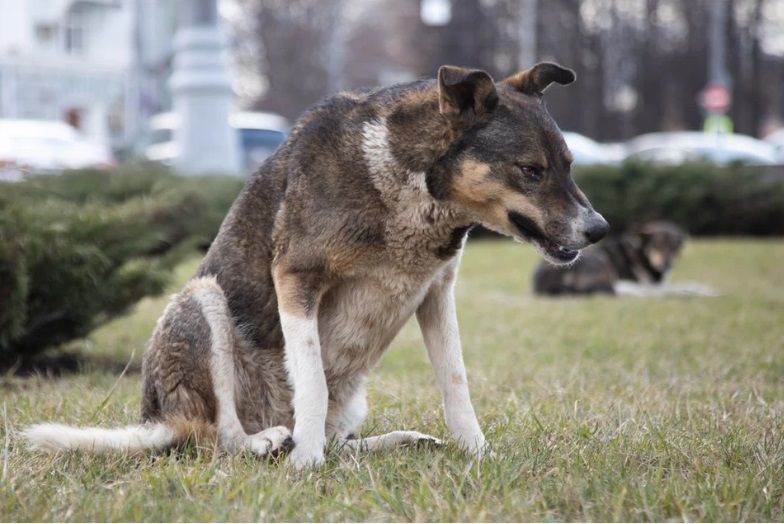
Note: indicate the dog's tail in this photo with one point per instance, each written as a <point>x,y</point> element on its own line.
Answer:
<point>130,439</point>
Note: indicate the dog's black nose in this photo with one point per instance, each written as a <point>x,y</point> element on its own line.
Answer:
<point>597,229</point>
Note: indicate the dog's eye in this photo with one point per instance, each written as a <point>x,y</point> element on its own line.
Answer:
<point>531,172</point>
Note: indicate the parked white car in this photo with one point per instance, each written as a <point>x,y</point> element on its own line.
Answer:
<point>40,146</point>
<point>683,146</point>
<point>776,139</point>
<point>587,151</point>
<point>260,135</point>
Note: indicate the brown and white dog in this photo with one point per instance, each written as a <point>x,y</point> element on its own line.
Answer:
<point>354,225</point>
<point>636,262</point>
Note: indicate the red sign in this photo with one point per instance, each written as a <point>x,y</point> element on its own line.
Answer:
<point>716,98</point>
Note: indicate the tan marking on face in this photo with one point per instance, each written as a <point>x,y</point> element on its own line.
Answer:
<point>521,204</point>
<point>474,186</point>
<point>657,258</point>
<point>490,198</point>
<point>457,379</point>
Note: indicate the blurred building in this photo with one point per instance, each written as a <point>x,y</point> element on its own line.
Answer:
<point>67,60</point>
<point>86,62</point>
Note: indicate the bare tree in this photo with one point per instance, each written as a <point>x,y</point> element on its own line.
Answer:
<point>640,63</point>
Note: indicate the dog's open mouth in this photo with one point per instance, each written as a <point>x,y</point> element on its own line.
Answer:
<point>553,251</point>
<point>556,252</point>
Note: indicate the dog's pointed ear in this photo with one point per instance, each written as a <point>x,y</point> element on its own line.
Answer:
<point>535,80</point>
<point>465,93</point>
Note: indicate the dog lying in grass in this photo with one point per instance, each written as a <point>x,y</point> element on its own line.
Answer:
<point>354,225</point>
<point>636,263</point>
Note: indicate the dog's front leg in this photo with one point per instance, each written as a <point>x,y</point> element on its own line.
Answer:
<point>437,319</point>
<point>298,296</point>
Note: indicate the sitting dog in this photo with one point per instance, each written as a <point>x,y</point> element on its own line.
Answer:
<point>355,224</point>
<point>635,263</point>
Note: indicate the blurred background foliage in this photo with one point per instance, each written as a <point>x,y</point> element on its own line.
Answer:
<point>640,63</point>
<point>78,249</point>
<point>81,248</point>
<point>702,198</point>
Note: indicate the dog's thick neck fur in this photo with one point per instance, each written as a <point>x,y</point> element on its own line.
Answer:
<point>405,190</point>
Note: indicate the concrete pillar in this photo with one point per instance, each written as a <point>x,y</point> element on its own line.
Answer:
<point>202,94</point>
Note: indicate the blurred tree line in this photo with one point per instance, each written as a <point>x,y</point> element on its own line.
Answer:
<point>641,64</point>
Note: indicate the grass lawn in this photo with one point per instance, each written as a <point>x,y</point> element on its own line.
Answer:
<point>598,409</point>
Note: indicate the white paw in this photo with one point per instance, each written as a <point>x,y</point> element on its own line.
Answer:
<point>271,441</point>
<point>483,453</point>
<point>303,457</point>
<point>474,445</point>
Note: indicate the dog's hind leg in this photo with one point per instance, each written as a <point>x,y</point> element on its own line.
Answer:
<point>190,385</point>
<point>231,434</point>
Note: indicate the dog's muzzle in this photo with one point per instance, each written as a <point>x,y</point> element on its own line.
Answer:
<point>552,250</point>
